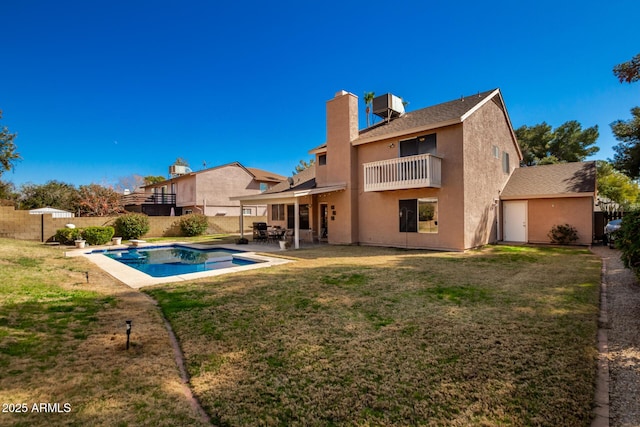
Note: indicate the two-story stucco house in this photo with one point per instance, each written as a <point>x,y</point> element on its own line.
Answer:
<point>430,178</point>
<point>208,191</point>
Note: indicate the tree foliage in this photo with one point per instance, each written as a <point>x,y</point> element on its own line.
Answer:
<point>627,153</point>
<point>54,194</point>
<point>567,143</point>
<point>96,200</point>
<point>628,240</point>
<point>8,154</point>
<point>8,194</point>
<point>628,71</point>
<point>302,165</point>
<point>368,101</point>
<point>153,179</point>
<point>616,186</point>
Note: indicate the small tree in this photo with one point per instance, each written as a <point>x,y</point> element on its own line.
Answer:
<point>96,200</point>
<point>54,193</point>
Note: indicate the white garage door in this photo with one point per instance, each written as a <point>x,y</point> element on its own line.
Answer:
<point>515,221</point>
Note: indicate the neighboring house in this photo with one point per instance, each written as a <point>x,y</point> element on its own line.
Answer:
<point>537,198</point>
<point>430,178</point>
<point>206,192</point>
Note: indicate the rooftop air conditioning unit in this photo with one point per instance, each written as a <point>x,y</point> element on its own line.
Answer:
<point>177,170</point>
<point>388,106</point>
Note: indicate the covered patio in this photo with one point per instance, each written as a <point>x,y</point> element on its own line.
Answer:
<point>303,197</point>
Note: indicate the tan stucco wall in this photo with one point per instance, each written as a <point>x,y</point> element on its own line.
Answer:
<point>342,167</point>
<point>483,174</point>
<point>545,213</point>
<point>19,224</point>
<point>379,211</point>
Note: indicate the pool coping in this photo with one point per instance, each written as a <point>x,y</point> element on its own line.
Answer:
<point>137,279</point>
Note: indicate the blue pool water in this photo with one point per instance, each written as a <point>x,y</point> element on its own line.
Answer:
<point>163,261</point>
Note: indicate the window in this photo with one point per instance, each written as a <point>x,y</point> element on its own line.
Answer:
<point>495,151</point>
<point>247,211</point>
<point>322,159</point>
<point>408,216</point>
<point>428,215</point>
<point>263,187</point>
<point>505,162</point>
<point>277,212</point>
<point>418,215</point>
<point>425,144</point>
<point>304,216</point>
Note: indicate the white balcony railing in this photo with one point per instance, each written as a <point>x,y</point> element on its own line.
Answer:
<point>419,171</point>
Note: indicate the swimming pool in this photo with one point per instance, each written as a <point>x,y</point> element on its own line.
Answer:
<point>106,259</point>
<point>165,261</point>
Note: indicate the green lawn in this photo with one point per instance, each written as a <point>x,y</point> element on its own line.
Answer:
<point>62,344</point>
<point>373,336</point>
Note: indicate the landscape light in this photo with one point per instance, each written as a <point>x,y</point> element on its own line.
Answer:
<point>128,322</point>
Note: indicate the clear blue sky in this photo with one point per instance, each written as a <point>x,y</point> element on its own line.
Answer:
<point>101,90</point>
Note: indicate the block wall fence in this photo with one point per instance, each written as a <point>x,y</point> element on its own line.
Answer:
<point>20,224</point>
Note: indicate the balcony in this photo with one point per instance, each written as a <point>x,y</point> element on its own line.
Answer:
<point>149,199</point>
<point>419,171</point>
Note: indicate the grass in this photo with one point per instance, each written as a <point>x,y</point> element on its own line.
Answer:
<point>62,341</point>
<point>344,336</point>
<point>373,336</point>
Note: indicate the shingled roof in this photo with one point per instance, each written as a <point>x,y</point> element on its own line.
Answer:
<point>303,180</point>
<point>564,179</point>
<point>436,115</point>
<point>444,114</point>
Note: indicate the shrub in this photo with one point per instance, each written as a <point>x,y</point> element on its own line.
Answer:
<point>563,234</point>
<point>98,235</point>
<point>627,239</point>
<point>132,225</point>
<point>194,224</point>
<point>66,236</point>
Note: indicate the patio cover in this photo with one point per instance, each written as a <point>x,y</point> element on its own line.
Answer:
<point>55,213</point>
<point>289,196</point>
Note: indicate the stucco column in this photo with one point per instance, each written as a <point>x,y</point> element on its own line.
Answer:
<point>241,222</point>
<point>296,224</point>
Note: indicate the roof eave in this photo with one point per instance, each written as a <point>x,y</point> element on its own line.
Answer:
<point>547,196</point>
<point>397,134</point>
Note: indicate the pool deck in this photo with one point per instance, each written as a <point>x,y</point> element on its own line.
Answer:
<point>137,279</point>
